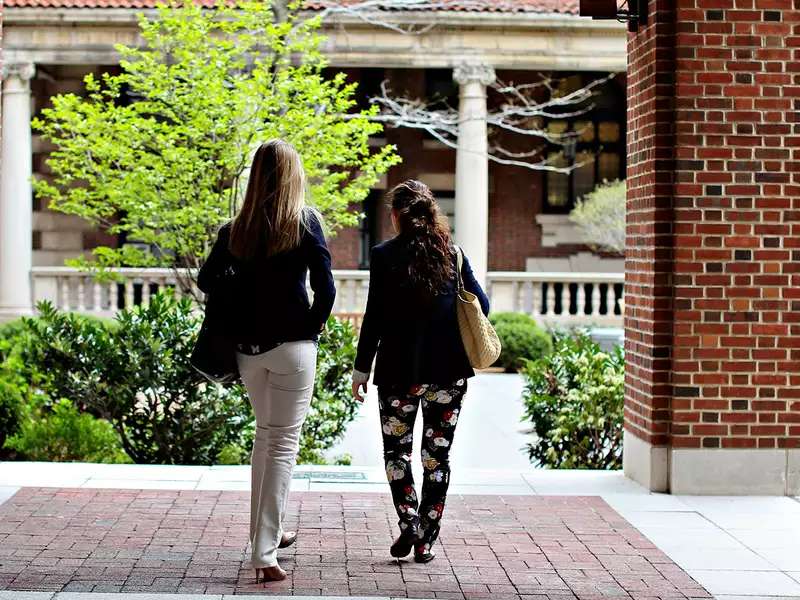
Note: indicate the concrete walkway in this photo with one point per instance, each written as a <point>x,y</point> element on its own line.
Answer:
<point>735,547</point>
<point>490,435</point>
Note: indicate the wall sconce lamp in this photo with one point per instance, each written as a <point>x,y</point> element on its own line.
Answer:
<point>634,12</point>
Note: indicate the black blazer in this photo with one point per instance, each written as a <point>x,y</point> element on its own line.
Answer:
<point>266,296</point>
<point>416,337</point>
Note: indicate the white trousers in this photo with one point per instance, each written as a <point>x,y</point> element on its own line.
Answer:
<point>280,384</point>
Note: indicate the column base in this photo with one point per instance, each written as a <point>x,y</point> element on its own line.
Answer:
<point>646,464</point>
<point>712,471</point>
<point>735,472</point>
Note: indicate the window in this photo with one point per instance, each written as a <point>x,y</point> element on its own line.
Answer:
<point>447,204</point>
<point>596,148</point>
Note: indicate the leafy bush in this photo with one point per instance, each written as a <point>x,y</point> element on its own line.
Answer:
<point>600,215</point>
<point>333,407</point>
<point>574,398</point>
<point>14,375</point>
<point>522,339</point>
<point>136,374</point>
<point>11,402</point>
<point>234,454</point>
<point>65,434</point>
<point>10,333</point>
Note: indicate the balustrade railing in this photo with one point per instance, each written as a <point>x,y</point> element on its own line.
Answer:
<point>551,298</point>
<point>560,299</point>
<point>80,291</point>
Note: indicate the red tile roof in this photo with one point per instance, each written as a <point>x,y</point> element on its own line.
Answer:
<point>533,6</point>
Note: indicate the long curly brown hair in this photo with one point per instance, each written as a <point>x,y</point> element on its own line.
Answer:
<point>427,232</point>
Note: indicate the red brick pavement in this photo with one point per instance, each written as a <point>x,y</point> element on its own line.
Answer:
<point>524,547</point>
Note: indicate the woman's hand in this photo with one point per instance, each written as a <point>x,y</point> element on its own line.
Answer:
<point>358,388</point>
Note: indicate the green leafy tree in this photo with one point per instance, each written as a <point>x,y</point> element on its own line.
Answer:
<point>159,152</point>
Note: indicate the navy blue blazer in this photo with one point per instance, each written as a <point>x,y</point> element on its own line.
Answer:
<point>415,336</point>
<point>266,296</point>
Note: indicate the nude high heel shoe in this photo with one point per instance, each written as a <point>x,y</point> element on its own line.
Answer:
<point>270,574</point>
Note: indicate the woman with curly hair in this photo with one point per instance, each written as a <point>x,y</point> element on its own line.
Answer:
<point>410,323</point>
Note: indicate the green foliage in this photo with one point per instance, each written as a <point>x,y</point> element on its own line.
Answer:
<point>333,407</point>
<point>600,215</point>
<point>574,398</point>
<point>159,151</point>
<point>15,391</point>
<point>136,374</point>
<point>344,460</point>
<point>233,454</point>
<point>10,334</point>
<point>11,402</point>
<point>65,434</point>
<point>522,339</point>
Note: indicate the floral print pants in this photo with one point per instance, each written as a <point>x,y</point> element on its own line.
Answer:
<point>441,405</point>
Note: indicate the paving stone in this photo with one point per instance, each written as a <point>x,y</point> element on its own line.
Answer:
<point>186,545</point>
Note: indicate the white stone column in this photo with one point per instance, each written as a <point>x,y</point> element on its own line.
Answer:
<point>16,207</point>
<point>472,166</point>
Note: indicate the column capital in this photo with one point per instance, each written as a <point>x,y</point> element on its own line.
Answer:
<point>22,70</point>
<point>474,73</point>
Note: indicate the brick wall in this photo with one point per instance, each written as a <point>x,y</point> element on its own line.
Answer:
<point>713,261</point>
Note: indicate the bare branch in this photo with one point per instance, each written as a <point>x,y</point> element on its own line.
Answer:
<point>374,12</point>
<point>522,113</point>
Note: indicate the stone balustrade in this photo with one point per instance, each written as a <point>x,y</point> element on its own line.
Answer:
<point>560,299</point>
<point>551,298</point>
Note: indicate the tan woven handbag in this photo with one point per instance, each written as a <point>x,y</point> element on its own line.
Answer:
<point>479,337</point>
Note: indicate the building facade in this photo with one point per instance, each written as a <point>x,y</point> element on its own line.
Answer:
<point>507,218</point>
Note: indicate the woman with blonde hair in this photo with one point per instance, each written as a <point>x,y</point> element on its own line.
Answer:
<point>262,258</point>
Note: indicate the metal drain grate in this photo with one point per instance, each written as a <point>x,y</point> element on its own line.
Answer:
<point>331,475</point>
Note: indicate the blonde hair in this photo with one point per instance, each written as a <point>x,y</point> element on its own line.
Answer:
<point>274,211</point>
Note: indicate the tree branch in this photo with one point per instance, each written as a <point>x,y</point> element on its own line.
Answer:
<point>521,113</point>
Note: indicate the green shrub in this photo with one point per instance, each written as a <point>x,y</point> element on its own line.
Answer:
<point>333,407</point>
<point>522,340</point>
<point>65,434</point>
<point>10,334</point>
<point>574,399</point>
<point>11,402</point>
<point>136,374</point>
<point>14,377</point>
<point>233,454</point>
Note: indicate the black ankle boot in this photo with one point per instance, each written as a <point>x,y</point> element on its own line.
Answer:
<point>422,553</point>
<point>428,534</point>
<point>404,543</point>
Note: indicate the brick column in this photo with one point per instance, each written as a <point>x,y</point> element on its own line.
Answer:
<point>713,260</point>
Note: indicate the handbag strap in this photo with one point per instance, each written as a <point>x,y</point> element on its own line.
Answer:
<point>459,266</point>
